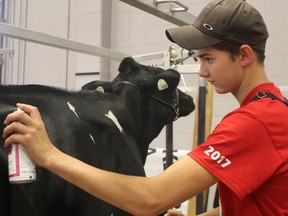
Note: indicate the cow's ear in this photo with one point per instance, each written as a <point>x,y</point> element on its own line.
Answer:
<point>128,64</point>
<point>167,80</point>
<point>101,86</point>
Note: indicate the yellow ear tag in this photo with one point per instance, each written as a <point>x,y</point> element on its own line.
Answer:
<point>162,84</point>
<point>100,89</point>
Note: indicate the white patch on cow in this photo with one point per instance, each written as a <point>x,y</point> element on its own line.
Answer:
<point>71,107</point>
<point>100,89</point>
<point>111,116</point>
<point>92,138</point>
<point>162,84</point>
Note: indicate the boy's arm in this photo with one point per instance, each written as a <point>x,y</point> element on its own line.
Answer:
<point>213,212</point>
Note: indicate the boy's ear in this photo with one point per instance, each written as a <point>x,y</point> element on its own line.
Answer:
<point>247,55</point>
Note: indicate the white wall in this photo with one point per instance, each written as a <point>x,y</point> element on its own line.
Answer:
<point>73,19</point>
<point>33,63</point>
<point>119,26</point>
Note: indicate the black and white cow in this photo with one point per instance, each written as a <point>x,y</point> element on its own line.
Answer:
<point>109,130</point>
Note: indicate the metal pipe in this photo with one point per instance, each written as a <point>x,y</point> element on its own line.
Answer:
<point>169,145</point>
<point>2,6</point>
<point>68,37</point>
<point>201,133</point>
<point>162,11</point>
<point>58,42</point>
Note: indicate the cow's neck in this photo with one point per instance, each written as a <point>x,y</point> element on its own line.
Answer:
<point>146,125</point>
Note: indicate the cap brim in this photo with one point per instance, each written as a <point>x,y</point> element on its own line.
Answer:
<point>191,38</point>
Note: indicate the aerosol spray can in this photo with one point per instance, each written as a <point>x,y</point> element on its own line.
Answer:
<point>21,167</point>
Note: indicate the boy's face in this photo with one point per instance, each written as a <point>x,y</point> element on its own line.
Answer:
<point>223,72</point>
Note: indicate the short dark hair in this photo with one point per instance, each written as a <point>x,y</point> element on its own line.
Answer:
<point>235,49</point>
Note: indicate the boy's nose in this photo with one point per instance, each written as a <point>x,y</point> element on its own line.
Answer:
<point>203,72</point>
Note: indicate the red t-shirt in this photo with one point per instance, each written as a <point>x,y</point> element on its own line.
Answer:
<point>248,153</point>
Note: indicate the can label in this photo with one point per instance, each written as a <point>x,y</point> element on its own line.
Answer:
<point>21,166</point>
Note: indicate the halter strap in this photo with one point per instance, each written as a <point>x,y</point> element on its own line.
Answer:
<point>174,106</point>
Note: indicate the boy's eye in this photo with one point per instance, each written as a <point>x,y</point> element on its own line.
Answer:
<point>205,58</point>
<point>209,60</point>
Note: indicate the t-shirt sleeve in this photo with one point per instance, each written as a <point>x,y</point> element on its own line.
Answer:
<point>240,153</point>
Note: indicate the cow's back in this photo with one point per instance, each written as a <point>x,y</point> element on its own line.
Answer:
<point>69,118</point>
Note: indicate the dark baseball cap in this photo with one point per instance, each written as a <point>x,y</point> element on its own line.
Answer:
<point>234,21</point>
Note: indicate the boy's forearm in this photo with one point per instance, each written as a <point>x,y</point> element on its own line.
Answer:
<point>213,212</point>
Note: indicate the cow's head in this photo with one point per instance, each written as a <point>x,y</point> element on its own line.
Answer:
<point>157,84</point>
<point>151,97</point>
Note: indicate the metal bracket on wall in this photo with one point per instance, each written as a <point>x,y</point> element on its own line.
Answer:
<point>7,51</point>
<point>181,8</point>
<point>3,52</point>
<point>165,9</point>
